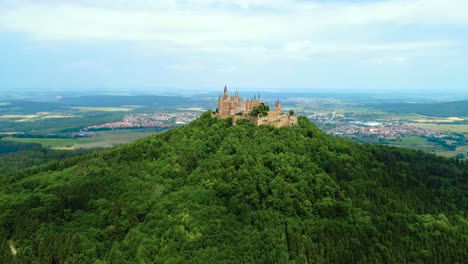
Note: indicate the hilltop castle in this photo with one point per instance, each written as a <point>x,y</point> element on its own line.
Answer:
<point>238,108</point>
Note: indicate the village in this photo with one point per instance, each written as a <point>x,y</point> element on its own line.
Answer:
<point>157,119</point>
<point>388,130</point>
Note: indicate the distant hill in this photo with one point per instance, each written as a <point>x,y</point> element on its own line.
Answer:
<point>28,107</point>
<point>446,109</point>
<point>11,147</point>
<point>32,154</point>
<point>210,192</point>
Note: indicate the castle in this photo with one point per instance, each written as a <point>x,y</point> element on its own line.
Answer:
<point>238,108</point>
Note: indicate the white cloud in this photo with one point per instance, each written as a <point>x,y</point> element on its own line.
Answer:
<point>310,48</point>
<point>264,28</point>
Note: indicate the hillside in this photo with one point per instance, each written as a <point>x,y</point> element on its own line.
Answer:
<point>210,192</point>
<point>446,109</point>
<point>32,154</point>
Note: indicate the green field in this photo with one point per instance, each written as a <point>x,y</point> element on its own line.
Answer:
<point>462,128</point>
<point>102,139</point>
<point>51,142</point>
<point>460,150</point>
<point>103,109</point>
<point>416,142</point>
<point>108,139</point>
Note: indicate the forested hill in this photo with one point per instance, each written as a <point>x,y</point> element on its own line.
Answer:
<point>446,109</point>
<point>210,192</point>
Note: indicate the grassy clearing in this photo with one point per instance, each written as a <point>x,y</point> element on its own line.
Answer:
<point>11,133</point>
<point>35,117</point>
<point>18,116</point>
<point>51,142</point>
<point>416,142</point>
<point>462,128</point>
<point>440,120</point>
<point>108,139</point>
<point>103,109</point>
<point>199,109</point>
<point>460,150</point>
<point>44,117</point>
<point>102,139</point>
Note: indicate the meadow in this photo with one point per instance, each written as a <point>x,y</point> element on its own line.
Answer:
<point>51,142</point>
<point>457,128</point>
<point>102,109</point>
<point>416,142</point>
<point>101,139</point>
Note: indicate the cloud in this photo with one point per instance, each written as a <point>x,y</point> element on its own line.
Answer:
<point>263,28</point>
<point>310,48</point>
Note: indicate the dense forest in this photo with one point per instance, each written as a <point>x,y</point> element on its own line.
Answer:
<point>11,147</point>
<point>446,109</point>
<point>16,156</point>
<point>210,192</point>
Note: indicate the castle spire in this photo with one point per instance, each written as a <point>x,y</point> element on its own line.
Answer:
<point>278,107</point>
<point>225,92</point>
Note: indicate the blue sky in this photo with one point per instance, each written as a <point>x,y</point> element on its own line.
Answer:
<point>393,45</point>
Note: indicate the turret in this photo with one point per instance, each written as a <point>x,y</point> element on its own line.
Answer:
<point>278,107</point>
<point>226,95</point>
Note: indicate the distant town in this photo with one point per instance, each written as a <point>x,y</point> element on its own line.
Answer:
<point>161,120</point>
<point>390,130</point>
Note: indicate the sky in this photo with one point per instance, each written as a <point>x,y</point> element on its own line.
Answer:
<point>352,46</point>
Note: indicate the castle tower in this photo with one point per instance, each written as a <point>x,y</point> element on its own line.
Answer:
<point>226,95</point>
<point>220,103</point>
<point>278,107</point>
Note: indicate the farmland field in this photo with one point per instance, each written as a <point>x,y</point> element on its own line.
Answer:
<point>103,109</point>
<point>458,128</point>
<point>51,142</point>
<point>416,142</point>
<point>102,139</point>
<point>108,139</point>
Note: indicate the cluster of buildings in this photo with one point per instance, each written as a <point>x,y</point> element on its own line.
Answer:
<point>237,108</point>
<point>382,130</point>
<point>163,120</point>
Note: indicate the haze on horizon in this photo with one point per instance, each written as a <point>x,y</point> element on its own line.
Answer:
<point>360,45</point>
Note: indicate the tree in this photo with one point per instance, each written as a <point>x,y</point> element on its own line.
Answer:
<point>261,109</point>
